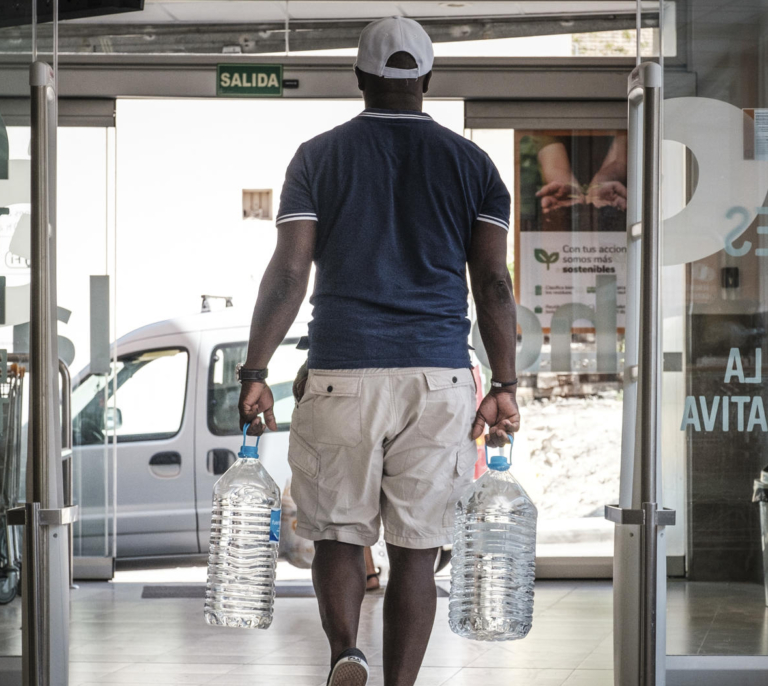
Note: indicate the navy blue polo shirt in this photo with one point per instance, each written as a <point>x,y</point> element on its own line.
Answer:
<point>395,196</point>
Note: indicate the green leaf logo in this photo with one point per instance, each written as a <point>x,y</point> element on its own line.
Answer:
<point>546,258</point>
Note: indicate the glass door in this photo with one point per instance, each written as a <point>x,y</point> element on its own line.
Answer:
<point>86,277</point>
<point>35,134</point>
<point>86,261</point>
<point>14,276</point>
<point>716,245</point>
<point>568,263</point>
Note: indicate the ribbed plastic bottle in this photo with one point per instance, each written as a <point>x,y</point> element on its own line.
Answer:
<point>245,532</point>
<point>494,557</point>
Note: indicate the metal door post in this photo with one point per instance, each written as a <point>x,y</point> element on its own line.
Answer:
<point>640,561</point>
<point>650,334</point>
<point>46,599</point>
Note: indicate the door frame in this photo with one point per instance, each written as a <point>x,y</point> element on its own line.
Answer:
<point>589,90</point>
<point>194,76</point>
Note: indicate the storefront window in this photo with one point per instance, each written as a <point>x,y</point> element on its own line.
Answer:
<point>716,326</point>
<point>567,257</point>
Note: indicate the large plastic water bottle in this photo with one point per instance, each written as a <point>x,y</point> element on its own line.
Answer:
<point>494,557</point>
<point>245,532</point>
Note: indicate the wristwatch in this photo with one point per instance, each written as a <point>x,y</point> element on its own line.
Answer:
<point>243,374</point>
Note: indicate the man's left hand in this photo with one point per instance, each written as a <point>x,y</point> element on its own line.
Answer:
<point>256,398</point>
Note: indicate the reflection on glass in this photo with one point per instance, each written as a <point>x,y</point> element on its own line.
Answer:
<point>12,460</point>
<point>715,246</point>
<point>570,274</point>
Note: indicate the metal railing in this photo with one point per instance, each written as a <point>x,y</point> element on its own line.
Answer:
<point>65,379</point>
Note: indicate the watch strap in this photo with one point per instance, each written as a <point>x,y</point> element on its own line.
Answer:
<point>245,374</point>
<point>502,384</point>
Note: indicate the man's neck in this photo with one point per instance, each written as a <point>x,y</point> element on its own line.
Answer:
<point>394,102</point>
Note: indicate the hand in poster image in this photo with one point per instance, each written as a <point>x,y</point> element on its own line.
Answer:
<point>608,194</point>
<point>557,194</point>
<point>562,188</point>
<point>607,187</point>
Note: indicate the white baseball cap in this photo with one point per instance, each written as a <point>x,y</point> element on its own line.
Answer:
<point>384,37</point>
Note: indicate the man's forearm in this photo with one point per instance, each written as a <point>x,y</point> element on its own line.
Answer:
<point>280,296</point>
<point>497,319</point>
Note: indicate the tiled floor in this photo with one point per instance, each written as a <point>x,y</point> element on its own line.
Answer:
<point>716,619</point>
<point>118,638</point>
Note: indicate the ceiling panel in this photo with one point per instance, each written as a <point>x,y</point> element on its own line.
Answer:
<point>245,11</point>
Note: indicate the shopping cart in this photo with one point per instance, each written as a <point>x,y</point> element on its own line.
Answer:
<point>11,396</point>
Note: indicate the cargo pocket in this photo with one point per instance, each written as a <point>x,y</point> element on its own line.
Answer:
<point>446,419</point>
<point>301,418</point>
<point>305,466</point>
<point>336,412</point>
<point>301,456</point>
<point>461,479</point>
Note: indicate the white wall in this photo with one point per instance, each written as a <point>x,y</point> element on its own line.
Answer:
<point>181,169</point>
<point>173,229</point>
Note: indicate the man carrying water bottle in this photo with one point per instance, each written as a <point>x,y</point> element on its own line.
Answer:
<point>391,207</point>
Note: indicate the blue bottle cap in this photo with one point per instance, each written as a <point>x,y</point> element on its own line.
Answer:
<point>249,450</point>
<point>498,463</point>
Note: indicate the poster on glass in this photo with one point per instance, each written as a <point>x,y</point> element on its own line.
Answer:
<point>571,226</point>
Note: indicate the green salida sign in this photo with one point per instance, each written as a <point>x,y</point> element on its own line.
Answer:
<point>249,80</point>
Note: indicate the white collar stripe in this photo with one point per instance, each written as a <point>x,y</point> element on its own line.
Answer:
<point>379,115</point>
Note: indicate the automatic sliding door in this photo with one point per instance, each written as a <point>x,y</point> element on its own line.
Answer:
<point>567,166</point>
<point>714,199</point>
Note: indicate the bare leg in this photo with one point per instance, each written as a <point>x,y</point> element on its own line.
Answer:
<point>338,574</point>
<point>409,613</point>
<point>371,575</point>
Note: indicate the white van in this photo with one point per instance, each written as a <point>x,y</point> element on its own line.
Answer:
<point>177,430</point>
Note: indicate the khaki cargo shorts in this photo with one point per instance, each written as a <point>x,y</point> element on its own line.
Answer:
<point>391,445</point>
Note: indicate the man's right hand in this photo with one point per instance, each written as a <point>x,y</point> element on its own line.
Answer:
<point>499,411</point>
<point>256,398</point>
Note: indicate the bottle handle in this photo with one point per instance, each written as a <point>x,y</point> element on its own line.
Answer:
<point>247,450</point>
<point>511,443</point>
